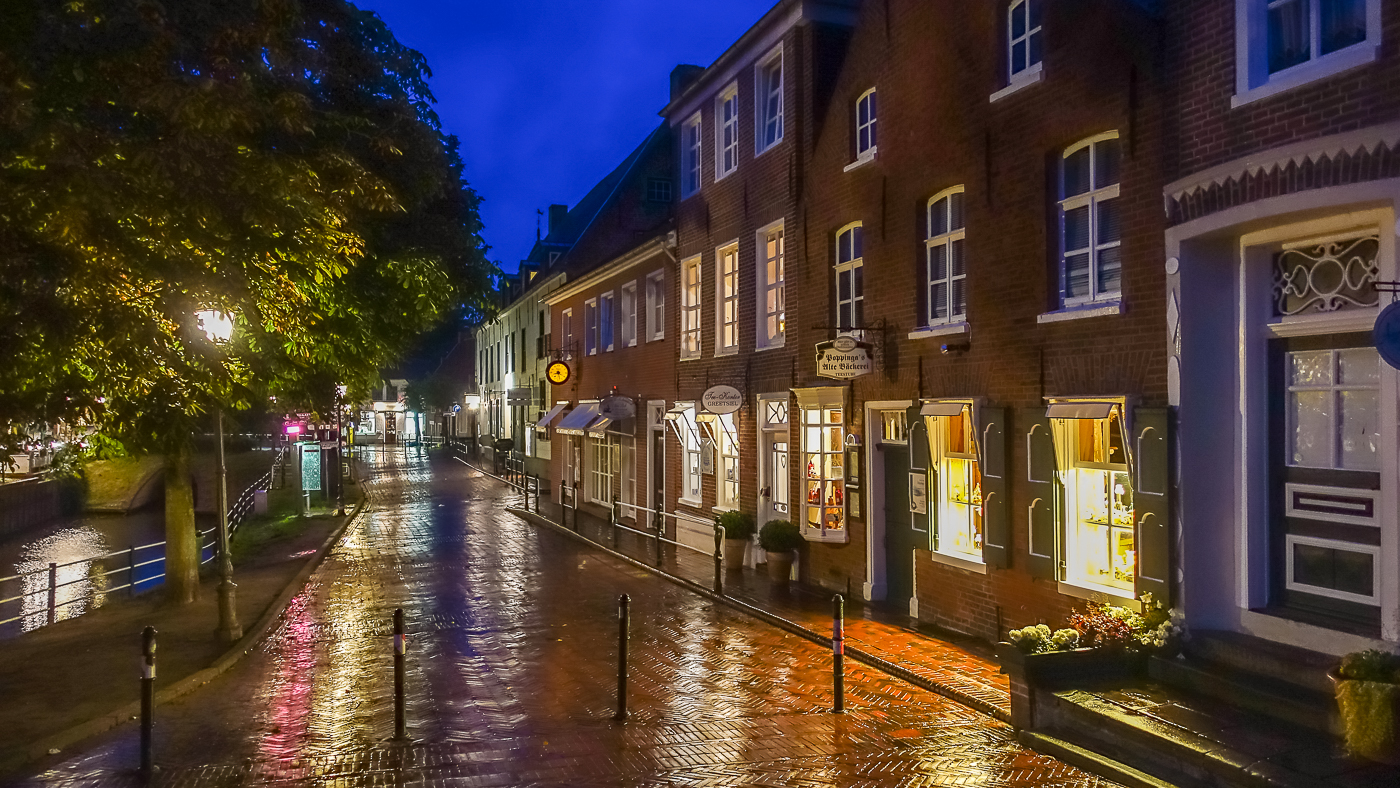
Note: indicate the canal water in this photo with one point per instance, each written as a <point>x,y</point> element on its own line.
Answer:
<point>88,575</point>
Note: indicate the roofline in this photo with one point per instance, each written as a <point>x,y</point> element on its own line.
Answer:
<point>628,259</point>
<point>753,42</point>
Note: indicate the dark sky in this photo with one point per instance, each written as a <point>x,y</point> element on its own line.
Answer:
<point>547,96</point>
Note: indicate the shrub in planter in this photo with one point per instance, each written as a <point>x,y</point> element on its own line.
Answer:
<point>1040,640</point>
<point>738,530</point>
<point>779,539</point>
<point>1368,695</point>
<point>1113,628</point>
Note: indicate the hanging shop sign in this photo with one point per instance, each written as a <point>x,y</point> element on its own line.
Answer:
<point>617,408</point>
<point>558,373</point>
<point>1386,334</point>
<point>722,399</point>
<point>520,397</point>
<point>844,358</point>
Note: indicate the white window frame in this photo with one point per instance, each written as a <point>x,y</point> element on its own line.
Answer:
<point>691,155</point>
<point>1252,78</point>
<point>692,480</point>
<point>727,299</point>
<point>1066,432</point>
<point>768,102</point>
<point>566,336</point>
<point>727,445</point>
<point>871,125</point>
<point>1092,198</point>
<point>602,466</point>
<point>629,471</point>
<point>939,435</point>
<point>590,327</point>
<point>770,330</point>
<point>1334,392</point>
<point>946,239</point>
<point>607,322</point>
<point>656,306</point>
<point>856,262</point>
<point>628,318</point>
<point>691,333</point>
<point>727,132</point>
<point>836,482</point>
<point>1024,74</point>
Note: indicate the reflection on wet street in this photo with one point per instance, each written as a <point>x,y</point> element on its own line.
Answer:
<point>512,668</point>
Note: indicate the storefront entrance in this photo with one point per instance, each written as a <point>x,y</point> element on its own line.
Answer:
<point>900,537</point>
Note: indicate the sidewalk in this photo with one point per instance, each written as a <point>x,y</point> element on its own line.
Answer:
<point>967,672</point>
<point>64,682</point>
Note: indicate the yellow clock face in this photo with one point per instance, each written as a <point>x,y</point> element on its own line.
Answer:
<point>558,372</point>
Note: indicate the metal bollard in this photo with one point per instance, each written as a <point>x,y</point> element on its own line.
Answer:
<point>624,617</point>
<point>563,511</point>
<point>573,504</point>
<point>148,696</point>
<point>537,494</point>
<point>719,559</point>
<point>660,533</point>
<point>838,654</point>
<point>53,592</point>
<point>400,648</point>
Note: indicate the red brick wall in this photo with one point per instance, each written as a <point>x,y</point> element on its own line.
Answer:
<point>937,129</point>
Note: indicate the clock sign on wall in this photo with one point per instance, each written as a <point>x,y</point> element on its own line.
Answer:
<point>558,373</point>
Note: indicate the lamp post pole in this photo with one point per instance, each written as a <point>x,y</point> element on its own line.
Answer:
<point>339,458</point>
<point>229,628</point>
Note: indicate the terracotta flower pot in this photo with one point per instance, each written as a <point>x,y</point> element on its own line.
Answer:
<point>734,553</point>
<point>779,565</point>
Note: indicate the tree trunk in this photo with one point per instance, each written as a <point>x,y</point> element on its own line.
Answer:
<point>181,536</point>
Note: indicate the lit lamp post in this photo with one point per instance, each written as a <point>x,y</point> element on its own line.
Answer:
<point>339,458</point>
<point>219,328</point>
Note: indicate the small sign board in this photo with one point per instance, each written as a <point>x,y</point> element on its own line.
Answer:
<point>310,466</point>
<point>844,358</point>
<point>1386,334</point>
<point>520,397</point>
<point>918,492</point>
<point>722,399</point>
<point>617,408</point>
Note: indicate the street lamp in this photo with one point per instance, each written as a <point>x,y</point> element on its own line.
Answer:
<point>339,447</point>
<point>219,328</point>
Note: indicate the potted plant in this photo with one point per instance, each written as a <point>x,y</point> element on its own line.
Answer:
<point>739,528</point>
<point>779,540</point>
<point>1367,685</point>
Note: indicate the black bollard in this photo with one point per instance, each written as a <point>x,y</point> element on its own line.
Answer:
<point>148,696</point>
<point>660,534</point>
<point>719,559</point>
<point>613,523</point>
<point>623,624</point>
<point>53,592</point>
<point>400,648</point>
<point>838,654</point>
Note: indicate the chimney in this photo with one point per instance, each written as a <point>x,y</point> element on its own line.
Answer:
<point>682,77</point>
<point>556,217</point>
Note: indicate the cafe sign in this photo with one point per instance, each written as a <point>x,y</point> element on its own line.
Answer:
<point>722,399</point>
<point>844,358</point>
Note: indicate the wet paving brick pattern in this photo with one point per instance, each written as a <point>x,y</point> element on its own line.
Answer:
<point>512,675</point>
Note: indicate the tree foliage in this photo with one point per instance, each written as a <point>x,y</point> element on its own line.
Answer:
<point>277,160</point>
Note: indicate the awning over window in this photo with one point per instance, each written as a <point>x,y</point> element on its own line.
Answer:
<point>683,427</point>
<point>548,417</point>
<point>578,419</point>
<point>1080,410</point>
<point>677,411</point>
<point>823,397</point>
<point>942,409</point>
<point>599,427</point>
<point>716,424</point>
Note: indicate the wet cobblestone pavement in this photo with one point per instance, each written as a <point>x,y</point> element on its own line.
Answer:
<point>511,677</point>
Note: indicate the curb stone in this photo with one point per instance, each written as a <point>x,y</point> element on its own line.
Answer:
<point>67,738</point>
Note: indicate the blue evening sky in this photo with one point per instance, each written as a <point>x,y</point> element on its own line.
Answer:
<point>547,96</point>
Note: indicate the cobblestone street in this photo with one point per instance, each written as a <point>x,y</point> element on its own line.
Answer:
<point>511,676</point>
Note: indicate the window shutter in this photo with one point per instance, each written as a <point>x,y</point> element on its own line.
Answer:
<point>917,434</point>
<point>1043,554</point>
<point>996,527</point>
<point>1150,503</point>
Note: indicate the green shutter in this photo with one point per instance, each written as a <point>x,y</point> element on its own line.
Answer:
<point>996,526</point>
<point>917,434</point>
<point>1043,556</point>
<point>1151,488</point>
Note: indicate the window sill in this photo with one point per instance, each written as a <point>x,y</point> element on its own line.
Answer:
<point>719,176</point>
<point>830,537</point>
<point>658,338</point>
<point>695,357</point>
<point>1312,71</point>
<point>1093,593</point>
<point>1025,79</point>
<point>760,151</point>
<point>861,160</point>
<point>728,351</point>
<point>1082,311</point>
<point>965,564</point>
<point>693,503</point>
<point>945,330</point>
<point>772,346</point>
<point>721,509</point>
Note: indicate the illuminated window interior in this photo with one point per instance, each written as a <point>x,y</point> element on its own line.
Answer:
<point>1100,547</point>
<point>959,519</point>
<point>823,442</point>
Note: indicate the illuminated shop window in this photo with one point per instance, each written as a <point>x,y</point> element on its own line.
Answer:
<point>823,447</point>
<point>959,522</point>
<point>1099,545</point>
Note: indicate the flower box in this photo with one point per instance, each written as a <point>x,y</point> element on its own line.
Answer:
<point>1034,674</point>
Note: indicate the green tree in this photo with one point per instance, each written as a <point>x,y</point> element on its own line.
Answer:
<point>276,160</point>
